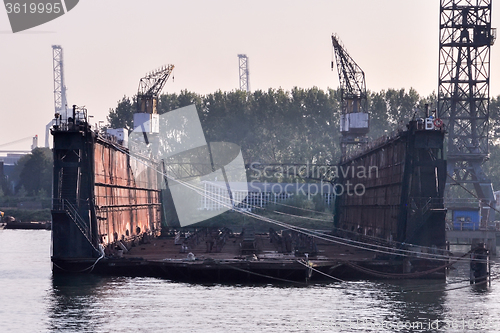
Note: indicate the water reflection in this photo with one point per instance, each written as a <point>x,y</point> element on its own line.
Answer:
<point>75,300</point>
<point>91,303</point>
<point>33,300</point>
<point>415,307</point>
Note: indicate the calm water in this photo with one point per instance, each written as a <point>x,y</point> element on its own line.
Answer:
<point>32,300</point>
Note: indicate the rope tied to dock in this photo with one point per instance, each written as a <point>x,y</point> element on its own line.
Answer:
<point>266,276</point>
<point>318,271</point>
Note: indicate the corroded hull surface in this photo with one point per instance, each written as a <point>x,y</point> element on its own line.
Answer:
<point>101,195</point>
<point>126,194</point>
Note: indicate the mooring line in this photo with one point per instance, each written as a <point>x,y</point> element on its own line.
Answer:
<point>318,271</point>
<point>266,276</point>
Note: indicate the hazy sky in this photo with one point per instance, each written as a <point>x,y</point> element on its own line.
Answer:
<point>110,44</point>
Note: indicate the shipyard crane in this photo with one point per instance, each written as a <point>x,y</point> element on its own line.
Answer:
<point>354,120</point>
<point>463,94</point>
<point>146,117</point>
<point>149,88</point>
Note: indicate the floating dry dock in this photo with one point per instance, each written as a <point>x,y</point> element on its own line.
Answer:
<point>107,218</point>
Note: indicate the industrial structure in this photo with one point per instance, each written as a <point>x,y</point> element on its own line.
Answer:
<point>354,120</point>
<point>389,193</point>
<point>463,95</point>
<point>9,157</point>
<point>244,73</point>
<point>150,86</point>
<point>102,196</point>
<point>393,190</point>
<point>60,101</point>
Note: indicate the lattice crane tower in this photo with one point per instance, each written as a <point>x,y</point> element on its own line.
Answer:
<point>463,93</point>
<point>60,101</point>
<point>244,73</point>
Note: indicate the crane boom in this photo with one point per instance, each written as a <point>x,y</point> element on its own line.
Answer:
<point>146,119</point>
<point>351,77</point>
<point>354,120</point>
<point>149,88</point>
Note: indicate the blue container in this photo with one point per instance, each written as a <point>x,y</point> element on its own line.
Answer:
<point>467,219</point>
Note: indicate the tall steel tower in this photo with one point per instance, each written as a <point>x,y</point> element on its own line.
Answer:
<point>463,93</point>
<point>60,102</point>
<point>244,73</point>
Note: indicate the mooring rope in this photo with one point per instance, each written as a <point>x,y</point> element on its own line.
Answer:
<point>265,276</point>
<point>403,275</point>
<point>318,271</point>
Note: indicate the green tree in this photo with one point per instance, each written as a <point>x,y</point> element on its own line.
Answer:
<point>495,119</point>
<point>297,126</point>
<point>401,105</point>
<point>123,115</point>
<point>35,175</point>
<point>491,166</point>
<point>379,117</point>
<point>5,185</point>
<point>167,102</point>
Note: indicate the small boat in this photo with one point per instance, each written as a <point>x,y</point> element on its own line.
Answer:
<point>10,222</point>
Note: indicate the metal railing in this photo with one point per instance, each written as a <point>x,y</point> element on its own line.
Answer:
<point>72,212</point>
<point>467,226</point>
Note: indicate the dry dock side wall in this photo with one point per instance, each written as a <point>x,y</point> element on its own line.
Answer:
<point>100,194</point>
<point>127,202</point>
<point>399,186</point>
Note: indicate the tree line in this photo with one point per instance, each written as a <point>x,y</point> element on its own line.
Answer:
<point>297,126</point>
<point>275,126</point>
<point>278,126</point>
<point>31,176</point>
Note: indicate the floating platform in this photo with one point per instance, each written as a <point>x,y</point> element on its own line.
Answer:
<point>234,262</point>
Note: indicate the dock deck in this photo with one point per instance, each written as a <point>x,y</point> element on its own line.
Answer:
<point>243,259</point>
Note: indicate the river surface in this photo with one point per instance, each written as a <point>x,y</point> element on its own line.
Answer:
<point>33,300</point>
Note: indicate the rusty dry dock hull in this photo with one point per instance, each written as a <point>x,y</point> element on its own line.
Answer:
<point>240,271</point>
<point>402,179</point>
